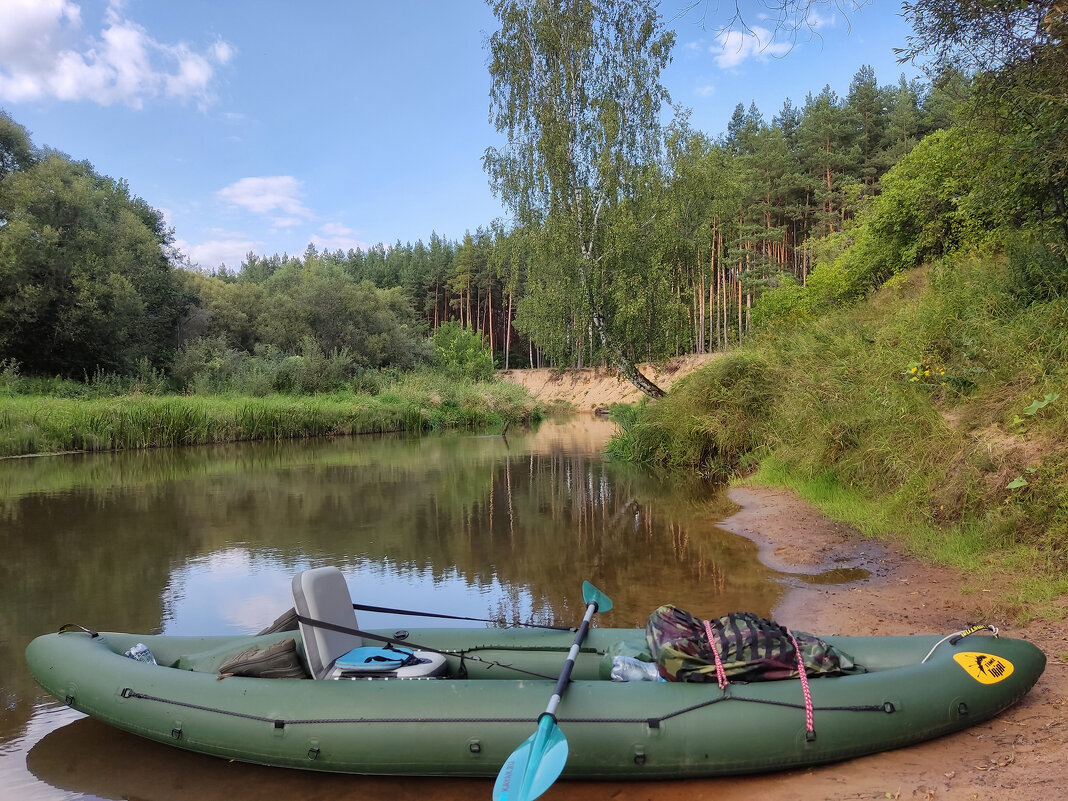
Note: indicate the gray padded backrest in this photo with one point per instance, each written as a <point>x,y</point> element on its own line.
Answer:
<point>321,594</point>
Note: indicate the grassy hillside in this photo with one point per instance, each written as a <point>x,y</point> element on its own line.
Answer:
<point>933,413</point>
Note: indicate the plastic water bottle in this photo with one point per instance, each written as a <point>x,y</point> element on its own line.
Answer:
<point>627,668</point>
<point>141,653</point>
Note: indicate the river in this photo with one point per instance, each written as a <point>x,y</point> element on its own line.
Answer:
<point>206,540</point>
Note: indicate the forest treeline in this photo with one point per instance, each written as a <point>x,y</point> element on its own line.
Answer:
<point>90,282</point>
<point>695,240</point>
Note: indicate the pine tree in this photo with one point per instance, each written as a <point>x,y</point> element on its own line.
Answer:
<point>828,138</point>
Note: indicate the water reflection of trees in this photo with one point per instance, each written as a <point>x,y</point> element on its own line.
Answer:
<point>101,545</point>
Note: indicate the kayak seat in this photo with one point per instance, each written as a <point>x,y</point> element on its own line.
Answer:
<point>321,594</point>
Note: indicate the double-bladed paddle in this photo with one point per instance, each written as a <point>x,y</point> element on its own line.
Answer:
<point>539,760</point>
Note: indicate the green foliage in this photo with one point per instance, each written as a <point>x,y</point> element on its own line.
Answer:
<point>1038,404</point>
<point>417,402</point>
<point>709,421</point>
<point>783,305</point>
<point>16,150</point>
<point>1018,109</point>
<point>830,285</point>
<point>923,213</point>
<point>84,279</point>
<point>576,89</point>
<point>1039,268</point>
<point>9,377</point>
<point>209,366</point>
<point>308,327</point>
<point>462,353</point>
<point>145,380</point>
<point>321,301</point>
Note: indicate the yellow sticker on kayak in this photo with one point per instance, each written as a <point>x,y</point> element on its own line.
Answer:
<point>984,668</point>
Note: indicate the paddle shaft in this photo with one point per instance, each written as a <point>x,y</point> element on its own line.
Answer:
<point>569,665</point>
<point>539,760</point>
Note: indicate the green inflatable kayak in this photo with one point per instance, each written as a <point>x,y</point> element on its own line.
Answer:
<point>459,701</point>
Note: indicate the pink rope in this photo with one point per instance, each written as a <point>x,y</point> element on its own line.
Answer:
<point>721,674</point>
<point>809,725</point>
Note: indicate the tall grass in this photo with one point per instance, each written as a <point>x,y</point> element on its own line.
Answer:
<point>43,424</point>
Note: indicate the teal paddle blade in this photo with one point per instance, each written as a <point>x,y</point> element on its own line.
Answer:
<point>534,765</point>
<point>592,595</point>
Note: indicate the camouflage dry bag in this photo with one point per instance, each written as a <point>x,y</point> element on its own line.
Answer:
<point>750,648</point>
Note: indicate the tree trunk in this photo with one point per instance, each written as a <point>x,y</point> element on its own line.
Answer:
<point>701,325</point>
<point>508,332</point>
<point>630,371</point>
<point>489,313</point>
<point>619,359</point>
<point>711,302</point>
<point>469,323</point>
<point>623,363</point>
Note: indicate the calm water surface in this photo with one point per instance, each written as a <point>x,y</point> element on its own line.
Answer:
<point>206,541</point>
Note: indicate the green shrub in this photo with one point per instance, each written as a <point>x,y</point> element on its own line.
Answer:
<point>709,421</point>
<point>461,353</point>
<point>782,305</point>
<point>207,365</point>
<point>1038,267</point>
<point>315,372</point>
<point>923,213</point>
<point>9,377</point>
<point>210,366</point>
<point>829,286</point>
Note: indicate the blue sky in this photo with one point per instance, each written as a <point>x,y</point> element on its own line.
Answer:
<point>260,125</point>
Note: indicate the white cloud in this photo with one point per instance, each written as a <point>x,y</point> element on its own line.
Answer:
<point>33,29</point>
<point>269,193</point>
<point>225,247</point>
<point>335,236</point>
<point>705,90</point>
<point>222,52</point>
<point>816,20</point>
<point>254,612</point>
<point>734,47</point>
<point>44,53</point>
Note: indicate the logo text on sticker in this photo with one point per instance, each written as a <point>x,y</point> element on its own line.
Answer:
<point>984,668</point>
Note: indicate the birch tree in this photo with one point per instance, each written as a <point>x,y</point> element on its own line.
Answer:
<point>576,89</point>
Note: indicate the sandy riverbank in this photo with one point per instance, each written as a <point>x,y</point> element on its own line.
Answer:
<point>591,388</point>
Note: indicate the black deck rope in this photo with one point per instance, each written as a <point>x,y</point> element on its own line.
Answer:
<point>390,641</point>
<point>652,722</point>
<point>388,610</point>
<point>129,693</point>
